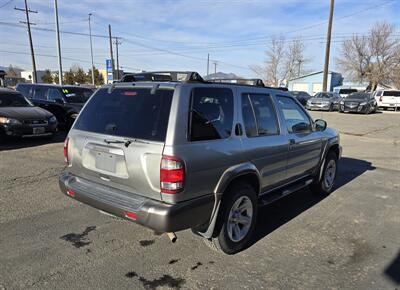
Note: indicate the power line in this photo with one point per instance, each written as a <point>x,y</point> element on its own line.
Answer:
<point>49,55</point>
<point>317,24</point>
<point>5,4</point>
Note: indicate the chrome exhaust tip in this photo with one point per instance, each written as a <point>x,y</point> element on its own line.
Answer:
<point>172,237</point>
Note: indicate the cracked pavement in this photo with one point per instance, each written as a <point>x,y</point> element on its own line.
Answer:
<point>348,240</point>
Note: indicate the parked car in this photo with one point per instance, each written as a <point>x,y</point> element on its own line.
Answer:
<point>301,96</point>
<point>326,101</point>
<point>345,92</point>
<point>358,102</point>
<point>197,155</point>
<point>20,118</point>
<point>65,102</point>
<point>388,99</point>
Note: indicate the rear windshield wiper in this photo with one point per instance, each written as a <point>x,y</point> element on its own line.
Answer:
<point>125,142</point>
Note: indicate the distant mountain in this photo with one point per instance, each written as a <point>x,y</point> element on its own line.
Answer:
<point>221,75</point>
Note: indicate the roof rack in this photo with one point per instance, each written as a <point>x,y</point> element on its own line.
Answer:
<point>239,81</point>
<point>163,76</point>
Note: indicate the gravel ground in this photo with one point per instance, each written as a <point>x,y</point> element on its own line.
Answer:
<point>348,240</point>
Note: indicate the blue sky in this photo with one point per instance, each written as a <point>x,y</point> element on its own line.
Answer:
<point>177,34</point>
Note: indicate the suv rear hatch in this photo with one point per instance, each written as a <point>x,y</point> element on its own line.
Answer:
<point>390,99</point>
<point>118,139</point>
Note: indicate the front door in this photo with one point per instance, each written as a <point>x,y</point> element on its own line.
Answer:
<point>304,143</point>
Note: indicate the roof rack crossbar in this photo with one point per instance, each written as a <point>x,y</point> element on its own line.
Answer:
<point>240,81</point>
<point>163,76</point>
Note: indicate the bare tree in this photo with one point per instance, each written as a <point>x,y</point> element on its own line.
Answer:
<point>284,61</point>
<point>294,59</point>
<point>275,54</point>
<point>374,57</point>
<point>356,57</point>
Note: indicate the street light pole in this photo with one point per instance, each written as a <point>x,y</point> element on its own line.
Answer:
<point>91,47</point>
<point>60,74</point>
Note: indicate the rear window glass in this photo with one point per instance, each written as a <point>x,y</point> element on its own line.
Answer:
<point>131,113</point>
<point>392,93</point>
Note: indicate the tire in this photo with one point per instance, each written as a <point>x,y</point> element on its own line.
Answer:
<point>331,108</point>
<point>228,236</point>
<point>327,182</point>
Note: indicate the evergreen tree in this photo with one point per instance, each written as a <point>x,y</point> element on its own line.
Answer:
<point>47,77</point>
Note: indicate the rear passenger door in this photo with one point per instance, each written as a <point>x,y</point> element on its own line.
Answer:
<point>304,142</point>
<point>55,104</point>
<point>39,96</point>
<point>262,140</point>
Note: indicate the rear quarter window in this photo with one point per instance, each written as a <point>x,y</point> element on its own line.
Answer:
<point>130,113</point>
<point>211,114</point>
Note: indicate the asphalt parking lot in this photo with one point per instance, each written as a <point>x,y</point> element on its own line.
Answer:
<point>348,240</point>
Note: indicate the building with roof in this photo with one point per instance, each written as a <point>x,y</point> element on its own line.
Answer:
<point>312,83</point>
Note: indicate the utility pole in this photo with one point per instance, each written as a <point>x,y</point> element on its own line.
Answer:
<point>111,51</point>
<point>328,47</point>
<point>208,64</point>
<point>117,42</point>
<point>28,23</point>
<point>91,47</point>
<point>215,67</point>
<point>300,61</point>
<point>60,73</point>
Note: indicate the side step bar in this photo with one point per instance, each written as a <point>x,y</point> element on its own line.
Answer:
<point>271,196</point>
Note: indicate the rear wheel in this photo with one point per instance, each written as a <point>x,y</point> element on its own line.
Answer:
<point>325,184</point>
<point>236,220</point>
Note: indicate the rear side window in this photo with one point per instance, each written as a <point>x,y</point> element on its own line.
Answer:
<point>211,114</point>
<point>40,93</point>
<point>54,94</point>
<point>259,115</point>
<point>131,113</point>
<point>391,93</point>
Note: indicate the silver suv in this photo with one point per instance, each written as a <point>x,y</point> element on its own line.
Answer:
<point>176,152</point>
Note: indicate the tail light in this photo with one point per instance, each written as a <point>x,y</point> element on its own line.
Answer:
<point>66,151</point>
<point>71,193</point>
<point>172,175</point>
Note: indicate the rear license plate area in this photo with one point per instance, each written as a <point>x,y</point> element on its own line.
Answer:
<point>105,161</point>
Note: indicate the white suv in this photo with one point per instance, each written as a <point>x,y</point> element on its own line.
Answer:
<point>388,99</point>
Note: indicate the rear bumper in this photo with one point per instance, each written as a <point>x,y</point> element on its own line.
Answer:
<point>157,215</point>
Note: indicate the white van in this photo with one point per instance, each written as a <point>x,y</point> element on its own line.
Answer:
<point>388,99</point>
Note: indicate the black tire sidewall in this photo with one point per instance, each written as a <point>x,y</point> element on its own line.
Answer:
<point>234,193</point>
<point>323,188</point>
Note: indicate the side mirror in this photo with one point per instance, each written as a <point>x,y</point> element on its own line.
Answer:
<point>59,101</point>
<point>320,125</point>
<point>301,128</point>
